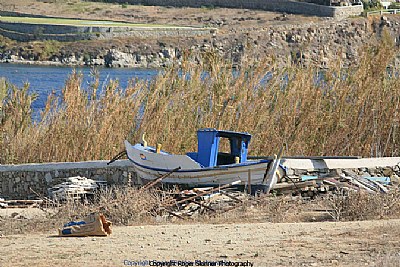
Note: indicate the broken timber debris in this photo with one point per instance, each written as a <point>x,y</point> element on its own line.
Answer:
<point>302,183</point>
<point>75,188</point>
<point>189,202</point>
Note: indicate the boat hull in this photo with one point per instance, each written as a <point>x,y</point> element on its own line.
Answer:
<point>208,177</point>
<point>150,166</point>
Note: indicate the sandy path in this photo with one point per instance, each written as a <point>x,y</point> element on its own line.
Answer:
<point>301,244</point>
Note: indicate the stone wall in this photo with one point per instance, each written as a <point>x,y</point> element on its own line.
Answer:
<point>318,2</point>
<point>342,12</point>
<point>16,180</point>
<point>18,14</point>
<point>289,6</point>
<point>28,32</point>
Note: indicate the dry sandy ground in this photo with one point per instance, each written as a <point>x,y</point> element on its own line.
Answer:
<point>367,243</point>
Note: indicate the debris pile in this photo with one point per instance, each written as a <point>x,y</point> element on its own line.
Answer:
<point>304,184</point>
<point>75,188</point>
<point>310,184</point>
<point>200,200</point>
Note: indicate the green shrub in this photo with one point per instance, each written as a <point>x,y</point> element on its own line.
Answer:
<point>370,5</point>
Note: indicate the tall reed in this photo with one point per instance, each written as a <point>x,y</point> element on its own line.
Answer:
<point>340,111</point>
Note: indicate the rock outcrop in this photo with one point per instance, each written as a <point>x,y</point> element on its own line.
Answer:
<point>320,44</point>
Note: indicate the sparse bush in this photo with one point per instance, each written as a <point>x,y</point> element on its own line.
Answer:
<point>363,206</point>
<point>279,209</point>
<point>123,206</point>
<point>49,48</point>
<point>370,5</point>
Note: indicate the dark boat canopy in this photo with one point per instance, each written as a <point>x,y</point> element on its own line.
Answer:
<point>208,154</point>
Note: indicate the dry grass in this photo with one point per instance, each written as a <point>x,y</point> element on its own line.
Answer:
<point>350,111</point>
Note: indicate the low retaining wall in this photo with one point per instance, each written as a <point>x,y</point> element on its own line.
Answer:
<point>16,180</point>
<point>28,32</point>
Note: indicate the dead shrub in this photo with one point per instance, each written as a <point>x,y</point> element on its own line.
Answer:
<point>121,205</point>
<point>279,208</point>
<point>360,205</point>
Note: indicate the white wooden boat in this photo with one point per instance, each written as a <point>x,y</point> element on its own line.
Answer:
<point>206,167</point>
<point>209,166</point>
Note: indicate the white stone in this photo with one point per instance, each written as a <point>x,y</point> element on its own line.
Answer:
<point>48,177</point>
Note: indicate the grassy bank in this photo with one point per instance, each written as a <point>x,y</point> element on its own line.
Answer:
<point>352,111</point>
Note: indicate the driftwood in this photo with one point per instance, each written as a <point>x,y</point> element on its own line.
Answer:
<point>294,185</point>
<point>158,180</point>
<point>231,197</point>
<point>203,205</point>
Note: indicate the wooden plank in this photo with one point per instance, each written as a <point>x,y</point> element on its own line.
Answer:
<point>203,205</point>
<point>383,180</point>
<point>361,181</point>
<point>21,206</point>
<point>381,187</point>
<point>305,157</point>
<point>359,185</point>
<point>293,186</point>
<point>205,193</point>
<point>249,181</point>
<point>231,197</point>
<point>308,177</point>
<point>174,214</point>
<point>271,178</point>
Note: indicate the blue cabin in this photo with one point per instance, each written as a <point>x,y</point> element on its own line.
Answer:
<point>208,147</point>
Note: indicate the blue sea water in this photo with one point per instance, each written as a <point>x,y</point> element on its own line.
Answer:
<point>45,79</point>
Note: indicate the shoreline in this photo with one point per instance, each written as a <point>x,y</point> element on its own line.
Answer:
<point>80,65</point>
